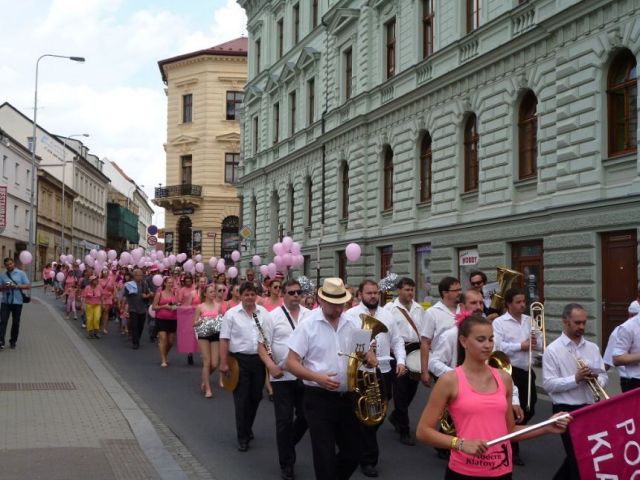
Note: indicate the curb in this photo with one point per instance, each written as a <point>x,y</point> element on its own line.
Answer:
<point>142,428</point>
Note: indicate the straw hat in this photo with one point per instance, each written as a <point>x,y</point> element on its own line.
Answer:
<point>333,291</point>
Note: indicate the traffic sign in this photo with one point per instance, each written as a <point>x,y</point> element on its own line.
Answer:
<point>152,230</point>
<point>152,240</point>
<point>246,232</point>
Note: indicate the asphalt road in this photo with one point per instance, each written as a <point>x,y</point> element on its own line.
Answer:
<point>207,427</point>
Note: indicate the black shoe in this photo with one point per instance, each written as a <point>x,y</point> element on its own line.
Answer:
<point>369,470</point>
<point>190,359</point>
<point>136,346</point>
<point>518,461</point>
<point>407,439</point>
<point>286,473</point>
<point>395,424</point>
<point>12,346</point>
<point>243,446</point>
<point>251,437</point>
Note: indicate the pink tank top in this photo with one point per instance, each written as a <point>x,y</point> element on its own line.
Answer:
<point>266,303</point>
<point>480,416</point>
<point>163,313</point>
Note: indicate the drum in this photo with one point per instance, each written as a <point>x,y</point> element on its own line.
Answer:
<point>414,364</point>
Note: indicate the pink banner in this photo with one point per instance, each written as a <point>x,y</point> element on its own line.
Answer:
<point>186,336</point>
<point>606,438</point>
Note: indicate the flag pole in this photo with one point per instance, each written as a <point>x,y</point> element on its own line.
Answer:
<point>528,429</point>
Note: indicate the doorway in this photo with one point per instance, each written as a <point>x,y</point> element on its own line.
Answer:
<point>619,278</point>
<point>230,237</point>
<point>184,235</point>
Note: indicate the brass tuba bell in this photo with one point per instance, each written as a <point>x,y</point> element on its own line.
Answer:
<point>505,278</point>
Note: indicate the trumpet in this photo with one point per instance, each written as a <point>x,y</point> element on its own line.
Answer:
<point>537,326</point>
<point>596,389</point>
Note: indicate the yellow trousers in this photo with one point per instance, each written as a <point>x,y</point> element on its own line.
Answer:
<point>92,313</point>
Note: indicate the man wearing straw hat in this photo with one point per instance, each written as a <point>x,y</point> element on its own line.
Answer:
<point>315,350</point>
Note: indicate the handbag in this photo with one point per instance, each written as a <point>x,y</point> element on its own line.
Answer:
<point>26,297</point>
<point>209,326</point>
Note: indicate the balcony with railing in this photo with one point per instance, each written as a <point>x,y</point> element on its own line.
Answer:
<point>178,197</point>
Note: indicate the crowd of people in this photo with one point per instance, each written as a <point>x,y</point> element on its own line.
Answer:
<point>297,344</point>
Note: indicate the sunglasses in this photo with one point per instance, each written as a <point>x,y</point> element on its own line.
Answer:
<point>221,291</point>
<point>276,287</point>
<point>293,292</point>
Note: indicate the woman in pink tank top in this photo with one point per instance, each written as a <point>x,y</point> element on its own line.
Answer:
<point>478,398</point>
<point>274,300</point>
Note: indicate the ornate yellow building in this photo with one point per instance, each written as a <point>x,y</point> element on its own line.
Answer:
<point>204,93</point>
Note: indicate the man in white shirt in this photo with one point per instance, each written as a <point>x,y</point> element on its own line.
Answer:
<point>512,335</point>
<point>438,319</point>
<point>288,391</point>
<point>634,307</point>
<point>565,381</point>
<point>315,350</point>
<point>409,319</point>
<point>626,353</point>
<point>239,337</point>
<point>386,342</point>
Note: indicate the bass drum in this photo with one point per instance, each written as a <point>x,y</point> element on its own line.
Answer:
<point>413,364</point>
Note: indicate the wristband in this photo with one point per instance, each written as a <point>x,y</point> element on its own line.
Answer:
<point>459,444</point>
<point>454,442</point>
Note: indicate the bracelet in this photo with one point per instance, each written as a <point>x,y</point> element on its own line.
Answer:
<point>454,442</point>
<point>459,444</point>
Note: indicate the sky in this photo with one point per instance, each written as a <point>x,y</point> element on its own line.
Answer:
<point>117,95</point>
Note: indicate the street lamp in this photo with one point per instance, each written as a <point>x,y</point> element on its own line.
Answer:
<point>34,172</point>
<point>64,163</point>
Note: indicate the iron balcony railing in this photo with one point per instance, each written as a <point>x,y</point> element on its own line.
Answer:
<point>179,190</point>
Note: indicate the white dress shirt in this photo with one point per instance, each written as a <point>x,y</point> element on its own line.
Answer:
<point>628,341</point>
<point>508,334</point>
<point>278,330</point>
<point>385,342</point>
<point>405,330</point>
<point>608,352</point>
<point>559,369</point>
<point>240,329</point>
<point>437,320</point>
<point>318,344</point>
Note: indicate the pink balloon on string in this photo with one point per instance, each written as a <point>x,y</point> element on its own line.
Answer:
<point>157,280</point>
<point>235,255</point>
<point>81,267</point>
<point>278,261</point>
<point>232,272</point>
<point>25,258</point>
<point>287,260</point>
<point>295,248</point>
<point>112,254</point>
<point>60,277</point>
<point>212,262</point>
<point>272,270</point>
<point>256,260</point>
<point>159,254</point>
<point>198,258</point>
<point>181,257</point>
<point>102,255</point>
<point>264,270</point>
<point>286,243</point>
<point>172,260</point>
<point>199,267</point>
<point>277,248</point>
<point>93,253</point>
<point>299,260</point>
<point>353,252</point>
<point>220,267</point>
<point>52,274</point>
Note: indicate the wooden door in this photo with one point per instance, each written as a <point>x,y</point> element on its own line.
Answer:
<point>619,278</point>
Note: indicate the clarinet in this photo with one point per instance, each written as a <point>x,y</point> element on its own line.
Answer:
<point>264,339</point>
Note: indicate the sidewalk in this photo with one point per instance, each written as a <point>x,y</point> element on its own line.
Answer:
<point>64,416</point>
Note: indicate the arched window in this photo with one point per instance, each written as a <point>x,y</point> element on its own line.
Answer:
<point>388,178</point>
<point>622,97</point>
<point>425,168</point>
<point>528,136</point>
<point>471,140</point>
<point>345,190</point>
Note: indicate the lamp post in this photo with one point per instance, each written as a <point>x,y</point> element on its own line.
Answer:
<point>62,209</point>
<point>34,172</point>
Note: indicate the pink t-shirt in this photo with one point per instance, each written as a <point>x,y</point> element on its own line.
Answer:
<point>92,296</point>
<point>108,287</point>
<point>481,416</point>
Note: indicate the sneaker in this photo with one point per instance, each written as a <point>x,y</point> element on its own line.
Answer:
<point>84,325</point>
<point>1,346</point>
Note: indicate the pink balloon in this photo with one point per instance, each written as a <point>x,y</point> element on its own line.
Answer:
<point>232,272</point>
<point>60,277</point>
<point>277,247</point>
<point>112,254</point>
<point>353,252</point>
<point>82,267</point>
<point>295,248</point>
<point>212,262</point>
<point>199,267</point>
<point>25,257</point>
<point>159,254</point>
<point>126,257</point>
<point>157,280</point>
<point>286,243</point>
<point>256,260</point>
<point>52,274</point>
<point>235,255</point>
<point>272,270</point>
<point>93,253</point>
<point>287,260</point>
<point>181,257</point>
<point>264,270</point>
<point>220,267</point>
<point>278,261</point>
<point>298,260</point>
<point>172,260</point>
<point>102,255</point>
<point>198,258</point>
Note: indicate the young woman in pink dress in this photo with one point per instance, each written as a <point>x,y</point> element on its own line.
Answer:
<point>107,283</point>
<point>188,293</point>
<point>165,306</point>
<point>478,398</point>
<point>213,306</point>
<point>71,291</point>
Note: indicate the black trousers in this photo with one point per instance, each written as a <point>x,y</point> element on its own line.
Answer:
<point>291,425</point>
<point>15,311</point>
<point>332,422</point>
<point>370,448</point>
<point>569,468</point>
<point>248,393</point>
<point>136,325</point>
<point>404,389</point>
<point>626,384</point>
<point>521,380</point>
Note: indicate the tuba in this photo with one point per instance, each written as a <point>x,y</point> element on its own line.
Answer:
<point>505,279</point>
<point>370,406</point>
<point>498,360</point>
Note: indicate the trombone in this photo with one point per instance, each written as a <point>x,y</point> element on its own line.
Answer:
<point>537,326</point>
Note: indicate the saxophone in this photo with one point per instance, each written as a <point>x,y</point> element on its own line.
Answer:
<point>370,406</point>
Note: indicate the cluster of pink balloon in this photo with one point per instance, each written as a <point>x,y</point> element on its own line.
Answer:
<point>287,254</point>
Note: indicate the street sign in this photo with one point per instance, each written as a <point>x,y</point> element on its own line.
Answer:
<point>211,234</point>
<point>246,232</point>
<point>152,240</point>
<point>183,211</point>
<point>152,230</point>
